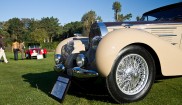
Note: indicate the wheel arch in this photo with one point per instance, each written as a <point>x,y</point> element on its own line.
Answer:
<point>153,54</point>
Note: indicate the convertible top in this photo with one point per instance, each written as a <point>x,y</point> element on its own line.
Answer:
<point>173,9</point>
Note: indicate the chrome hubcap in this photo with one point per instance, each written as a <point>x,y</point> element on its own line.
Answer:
<point>132,74</point>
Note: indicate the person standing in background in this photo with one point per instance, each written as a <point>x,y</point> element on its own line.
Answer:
<point>22,47</point>
<point>2,48</point>
<point>15,49</point>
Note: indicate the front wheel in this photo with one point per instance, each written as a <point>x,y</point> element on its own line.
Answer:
<point>132,75</point>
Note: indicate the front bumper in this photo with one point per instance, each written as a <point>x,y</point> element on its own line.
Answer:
<point>59,68</point>
<point>83,73</point>
<point>77,71</point>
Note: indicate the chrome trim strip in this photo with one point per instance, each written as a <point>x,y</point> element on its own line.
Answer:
<point>151,24</point>
<point>166,35</point>
<point>162,23</point>
<point>103,28</point>
<point>163,28</point>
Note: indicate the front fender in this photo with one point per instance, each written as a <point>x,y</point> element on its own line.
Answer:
<point>170,56</point>
<point>78,45</point>
<point>61,44</point>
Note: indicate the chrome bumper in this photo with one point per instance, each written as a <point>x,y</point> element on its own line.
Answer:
<point>77,71</point>
<point>83,73</point>
<point>59,68</point>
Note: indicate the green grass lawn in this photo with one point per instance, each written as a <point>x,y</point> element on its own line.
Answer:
<point>29,82</point>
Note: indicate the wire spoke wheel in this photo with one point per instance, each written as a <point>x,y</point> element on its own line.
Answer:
<point>132,74</point>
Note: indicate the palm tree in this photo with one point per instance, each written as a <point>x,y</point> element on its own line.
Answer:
<point>117,8</point>
<point>138,18</point>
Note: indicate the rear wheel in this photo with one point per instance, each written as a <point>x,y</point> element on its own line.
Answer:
<point>44,55</point>
<point>132,75</point>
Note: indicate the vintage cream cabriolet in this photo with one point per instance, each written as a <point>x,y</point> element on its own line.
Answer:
<point>128,54</point>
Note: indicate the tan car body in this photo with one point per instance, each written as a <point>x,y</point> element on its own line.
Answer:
<point>167,48</point>
<point>170,56</point>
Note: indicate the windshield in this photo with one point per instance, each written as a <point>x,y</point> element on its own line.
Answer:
<point>33,45</point>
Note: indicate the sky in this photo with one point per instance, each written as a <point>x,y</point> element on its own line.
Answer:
<point>72,10</point>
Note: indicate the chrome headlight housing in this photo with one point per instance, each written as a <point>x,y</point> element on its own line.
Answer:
<point>57,58</point>
<point>95,41</point>
<point>81,60</point>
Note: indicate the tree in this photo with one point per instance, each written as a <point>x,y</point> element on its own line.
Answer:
<point>138,18</point>
<point>99,19</point>
<point>26,22</point>
<point>1,25</point>
<point>123,18</point>
<point>88,19</point>
<point>119,17</point>
<point>2,28</point>
<point>3,31</point>
<point>26,29</point>
<point>51,25</point>
<point>38,35</point>
<point>15,28</point>
<point>71,28</point>
<point>34,24</point>
<point>117,8</point>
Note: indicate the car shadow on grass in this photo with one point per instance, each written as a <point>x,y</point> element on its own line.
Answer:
<point>90,90</point>
<point>161,78</point>
<point>42,81</point>
<point>46,80</point>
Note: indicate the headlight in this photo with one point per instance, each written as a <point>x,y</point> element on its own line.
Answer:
<point>95,41</point>
<point>57,58</point>
<point>34,51</point>
<point>42,51</point>
<point>80,60</point>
